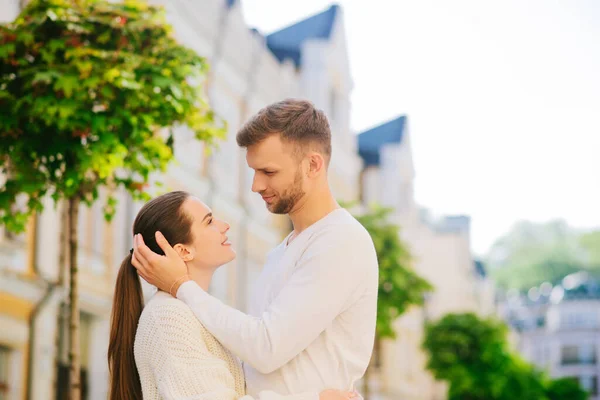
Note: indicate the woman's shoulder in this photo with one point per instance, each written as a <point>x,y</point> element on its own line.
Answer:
<point>168,323</point>
<point>164,309</point>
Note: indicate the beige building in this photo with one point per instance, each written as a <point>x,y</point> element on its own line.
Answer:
<point>441,250</point>
<point>249,71</point>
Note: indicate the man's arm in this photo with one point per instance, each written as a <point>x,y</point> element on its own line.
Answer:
<point>322,285</point>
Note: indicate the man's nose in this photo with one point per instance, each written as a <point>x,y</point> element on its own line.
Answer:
<point>257,184</point>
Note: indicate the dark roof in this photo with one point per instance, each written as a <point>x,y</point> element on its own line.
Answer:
<point>480,269</point>
<point>371,141</point>
<point>587,289</point>
<point>287,42</point>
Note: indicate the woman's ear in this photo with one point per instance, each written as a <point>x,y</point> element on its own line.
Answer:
<point>184,252</point>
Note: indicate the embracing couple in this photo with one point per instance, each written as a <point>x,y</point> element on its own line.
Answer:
<point>311,324</point>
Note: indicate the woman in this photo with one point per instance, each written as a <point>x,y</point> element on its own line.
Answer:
<point>162,351</point>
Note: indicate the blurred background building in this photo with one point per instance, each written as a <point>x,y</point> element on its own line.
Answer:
<point>248,71</point>
<point>558,328</point>
<point>441,252</point>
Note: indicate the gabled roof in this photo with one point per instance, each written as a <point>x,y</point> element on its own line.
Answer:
<point>480,269</point>
<point>371,141</point>
<point>287,42</point>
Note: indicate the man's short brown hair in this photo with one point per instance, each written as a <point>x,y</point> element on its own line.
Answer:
<point>297,121</point>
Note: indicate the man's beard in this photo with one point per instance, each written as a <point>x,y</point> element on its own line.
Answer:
<point>290,197</point>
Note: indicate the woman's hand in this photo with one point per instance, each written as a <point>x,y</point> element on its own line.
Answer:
<point>332,394</point>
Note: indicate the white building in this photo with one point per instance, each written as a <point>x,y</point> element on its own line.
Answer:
<point>249,71</point>
<point>558,329</point>
<point>441,253</point>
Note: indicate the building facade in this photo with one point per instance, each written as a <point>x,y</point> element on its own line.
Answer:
<point>248,71</point>
<point>558,329</point>
<point>441,252</point>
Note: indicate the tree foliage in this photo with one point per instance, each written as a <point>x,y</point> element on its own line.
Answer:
<point>399,286</point>
<point>89,91</point>
<point>472,355</point>
<point>532,253</point>
<point>566,388</point>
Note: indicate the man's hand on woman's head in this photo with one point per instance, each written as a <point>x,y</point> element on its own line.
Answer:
<point>166,272</point>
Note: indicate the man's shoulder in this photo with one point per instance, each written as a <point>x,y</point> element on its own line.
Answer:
<point>346,228</point>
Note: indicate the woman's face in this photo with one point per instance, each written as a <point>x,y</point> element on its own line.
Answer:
<point>210,247</point>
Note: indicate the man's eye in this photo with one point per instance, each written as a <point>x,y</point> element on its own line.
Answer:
<point>269,173</point>
<point>210,221</point>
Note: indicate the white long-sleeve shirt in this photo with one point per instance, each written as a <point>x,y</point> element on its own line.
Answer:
<point>177,358</point>
<point>312,319</point>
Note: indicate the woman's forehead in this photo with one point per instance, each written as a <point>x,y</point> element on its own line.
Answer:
<point>195,206</point>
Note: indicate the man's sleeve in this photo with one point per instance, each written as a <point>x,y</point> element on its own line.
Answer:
<point>323,283</point>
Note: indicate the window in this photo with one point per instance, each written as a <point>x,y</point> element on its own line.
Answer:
<point>577,320</point>
<point>589,384</point>
<point>4,360</point>
<point>582,354</point>
<point>587,353</point>
<point>569,355</point>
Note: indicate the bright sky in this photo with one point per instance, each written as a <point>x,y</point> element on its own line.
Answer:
<point>503,100</point>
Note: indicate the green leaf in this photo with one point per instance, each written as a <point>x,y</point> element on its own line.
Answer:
<point>45,76</point>
<point>57,44</point>
<point>66,83</point>
<point>7,50</point>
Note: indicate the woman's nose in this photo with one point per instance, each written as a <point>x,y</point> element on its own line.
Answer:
<point>225,226</point>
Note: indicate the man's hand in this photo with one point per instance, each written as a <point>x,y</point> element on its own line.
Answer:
<point>166,272</point>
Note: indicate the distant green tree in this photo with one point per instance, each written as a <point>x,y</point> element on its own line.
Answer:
<point>532,253</point>
<point>565,388</point>
<point>591,244</point>
<point>400,287</point>
<point>472,355</point>
<point>88,92</point>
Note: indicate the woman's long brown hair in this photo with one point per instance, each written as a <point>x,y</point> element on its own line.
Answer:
<point>164,214</point>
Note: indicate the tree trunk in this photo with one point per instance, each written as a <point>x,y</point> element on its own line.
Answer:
<point>74,362</point>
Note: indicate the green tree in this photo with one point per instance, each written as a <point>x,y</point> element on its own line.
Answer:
<point>590,242</point>
<point>399,286</point>
<point>565,388</point>
<point>89,91</point>
<point>472,355</point>
<point>532,253</point>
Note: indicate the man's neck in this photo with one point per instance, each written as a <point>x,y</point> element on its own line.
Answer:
<point>315,207</point>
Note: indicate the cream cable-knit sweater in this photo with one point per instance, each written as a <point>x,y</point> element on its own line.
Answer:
<point>177,358</point>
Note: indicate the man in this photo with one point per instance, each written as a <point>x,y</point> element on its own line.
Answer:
<point>312,321</point>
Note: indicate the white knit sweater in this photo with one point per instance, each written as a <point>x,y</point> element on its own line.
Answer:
<point>177,358</point>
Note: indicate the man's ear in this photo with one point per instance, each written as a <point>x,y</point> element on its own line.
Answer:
<point>184,252</point>
<point>316,163</point>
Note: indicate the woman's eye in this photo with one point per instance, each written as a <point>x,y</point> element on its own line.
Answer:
<point>210,221</point>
